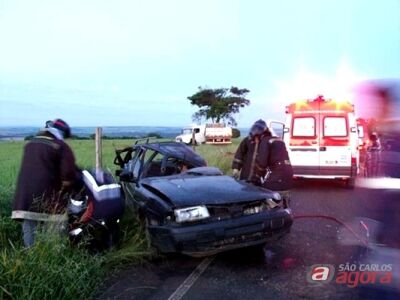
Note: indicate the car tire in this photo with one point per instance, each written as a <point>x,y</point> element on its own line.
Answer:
<point>143,223</point>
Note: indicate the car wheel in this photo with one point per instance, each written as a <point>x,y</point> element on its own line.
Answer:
<point>144,222</point>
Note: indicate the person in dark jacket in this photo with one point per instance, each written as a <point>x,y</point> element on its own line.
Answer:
<point>263,160</point>
<point>47,173</point>
<point>251,158</point>
<point>279,176</point>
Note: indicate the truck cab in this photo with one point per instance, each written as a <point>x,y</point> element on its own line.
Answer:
<point>186,136</point>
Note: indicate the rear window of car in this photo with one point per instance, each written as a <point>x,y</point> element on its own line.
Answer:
<point>303,127</point>
<point>335,127</point>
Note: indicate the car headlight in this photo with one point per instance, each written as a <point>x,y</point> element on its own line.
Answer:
<point>276,196</point>
<point>190,214</point>
<point>272,203</point>
<point>255,209</point>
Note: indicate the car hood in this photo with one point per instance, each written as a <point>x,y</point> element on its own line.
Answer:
<point>187,190</point>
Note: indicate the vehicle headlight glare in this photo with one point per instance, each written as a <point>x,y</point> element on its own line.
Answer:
<point>190,214</point>
<point>276,196</point>
<point>253,210</point>
<point>76,202</point>
<point>76,231</point>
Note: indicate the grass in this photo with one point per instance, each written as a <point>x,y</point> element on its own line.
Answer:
<point>52,269</point>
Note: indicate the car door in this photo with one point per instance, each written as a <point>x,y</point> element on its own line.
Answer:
<point>131,166</point>
<point>277,128</point>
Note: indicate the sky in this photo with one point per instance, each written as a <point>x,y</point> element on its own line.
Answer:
<point>134,63</point>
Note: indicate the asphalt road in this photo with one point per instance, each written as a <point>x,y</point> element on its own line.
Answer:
<point>278,271</point>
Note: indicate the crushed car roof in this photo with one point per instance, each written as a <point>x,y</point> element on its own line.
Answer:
<point>176,150</point>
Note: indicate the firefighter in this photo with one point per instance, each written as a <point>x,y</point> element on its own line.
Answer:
<point>251,157</point>
<point>263,160</point>
<point>279,176</point>
<point>47,173</point>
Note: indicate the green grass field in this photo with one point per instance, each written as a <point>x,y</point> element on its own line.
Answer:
<point>52,269</point>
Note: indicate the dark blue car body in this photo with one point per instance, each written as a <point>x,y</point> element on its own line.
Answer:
<point>239,216</point>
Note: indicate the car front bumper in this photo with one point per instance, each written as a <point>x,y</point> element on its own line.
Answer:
<point>209,238</point>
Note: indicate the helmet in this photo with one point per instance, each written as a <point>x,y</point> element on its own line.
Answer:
<point>61,125</point>
<point>258,128</point>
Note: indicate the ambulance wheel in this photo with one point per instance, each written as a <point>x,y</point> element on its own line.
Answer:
<point>350,183</point>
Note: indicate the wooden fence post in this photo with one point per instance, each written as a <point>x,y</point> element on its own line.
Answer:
<point>98,148</point>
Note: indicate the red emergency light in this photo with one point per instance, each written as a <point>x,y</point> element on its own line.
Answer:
<point>318,104</point>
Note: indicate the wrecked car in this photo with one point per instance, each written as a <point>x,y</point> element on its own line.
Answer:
<point>194,209</point>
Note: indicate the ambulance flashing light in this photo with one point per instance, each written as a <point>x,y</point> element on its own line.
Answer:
<point>320,104</point>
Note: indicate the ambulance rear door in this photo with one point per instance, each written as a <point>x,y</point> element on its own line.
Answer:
<point>302,142</point>
<point>335,149</point>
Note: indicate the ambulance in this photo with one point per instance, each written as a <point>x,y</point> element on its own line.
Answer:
<point>322,139</point>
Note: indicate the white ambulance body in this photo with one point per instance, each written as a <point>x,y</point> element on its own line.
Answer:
<point>322,139</point>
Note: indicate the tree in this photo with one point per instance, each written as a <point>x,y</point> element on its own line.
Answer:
<point>219,104</point>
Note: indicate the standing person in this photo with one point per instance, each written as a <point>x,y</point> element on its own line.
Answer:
<point>251,157</point>
<point>279,176</point>
<point>263,160</point>
<point>47,172</point>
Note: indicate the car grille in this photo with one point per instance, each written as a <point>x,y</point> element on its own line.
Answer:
<point>211,243</point>
<point>228,211</point>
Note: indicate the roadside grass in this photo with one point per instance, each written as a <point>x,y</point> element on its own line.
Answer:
<point>51,269</point>
<point>219,156</point>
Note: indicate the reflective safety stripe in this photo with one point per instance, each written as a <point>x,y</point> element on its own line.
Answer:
<point>253,160</point>
<point>44,137</point>
<point>29,215</point>
<point>102,192</point>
